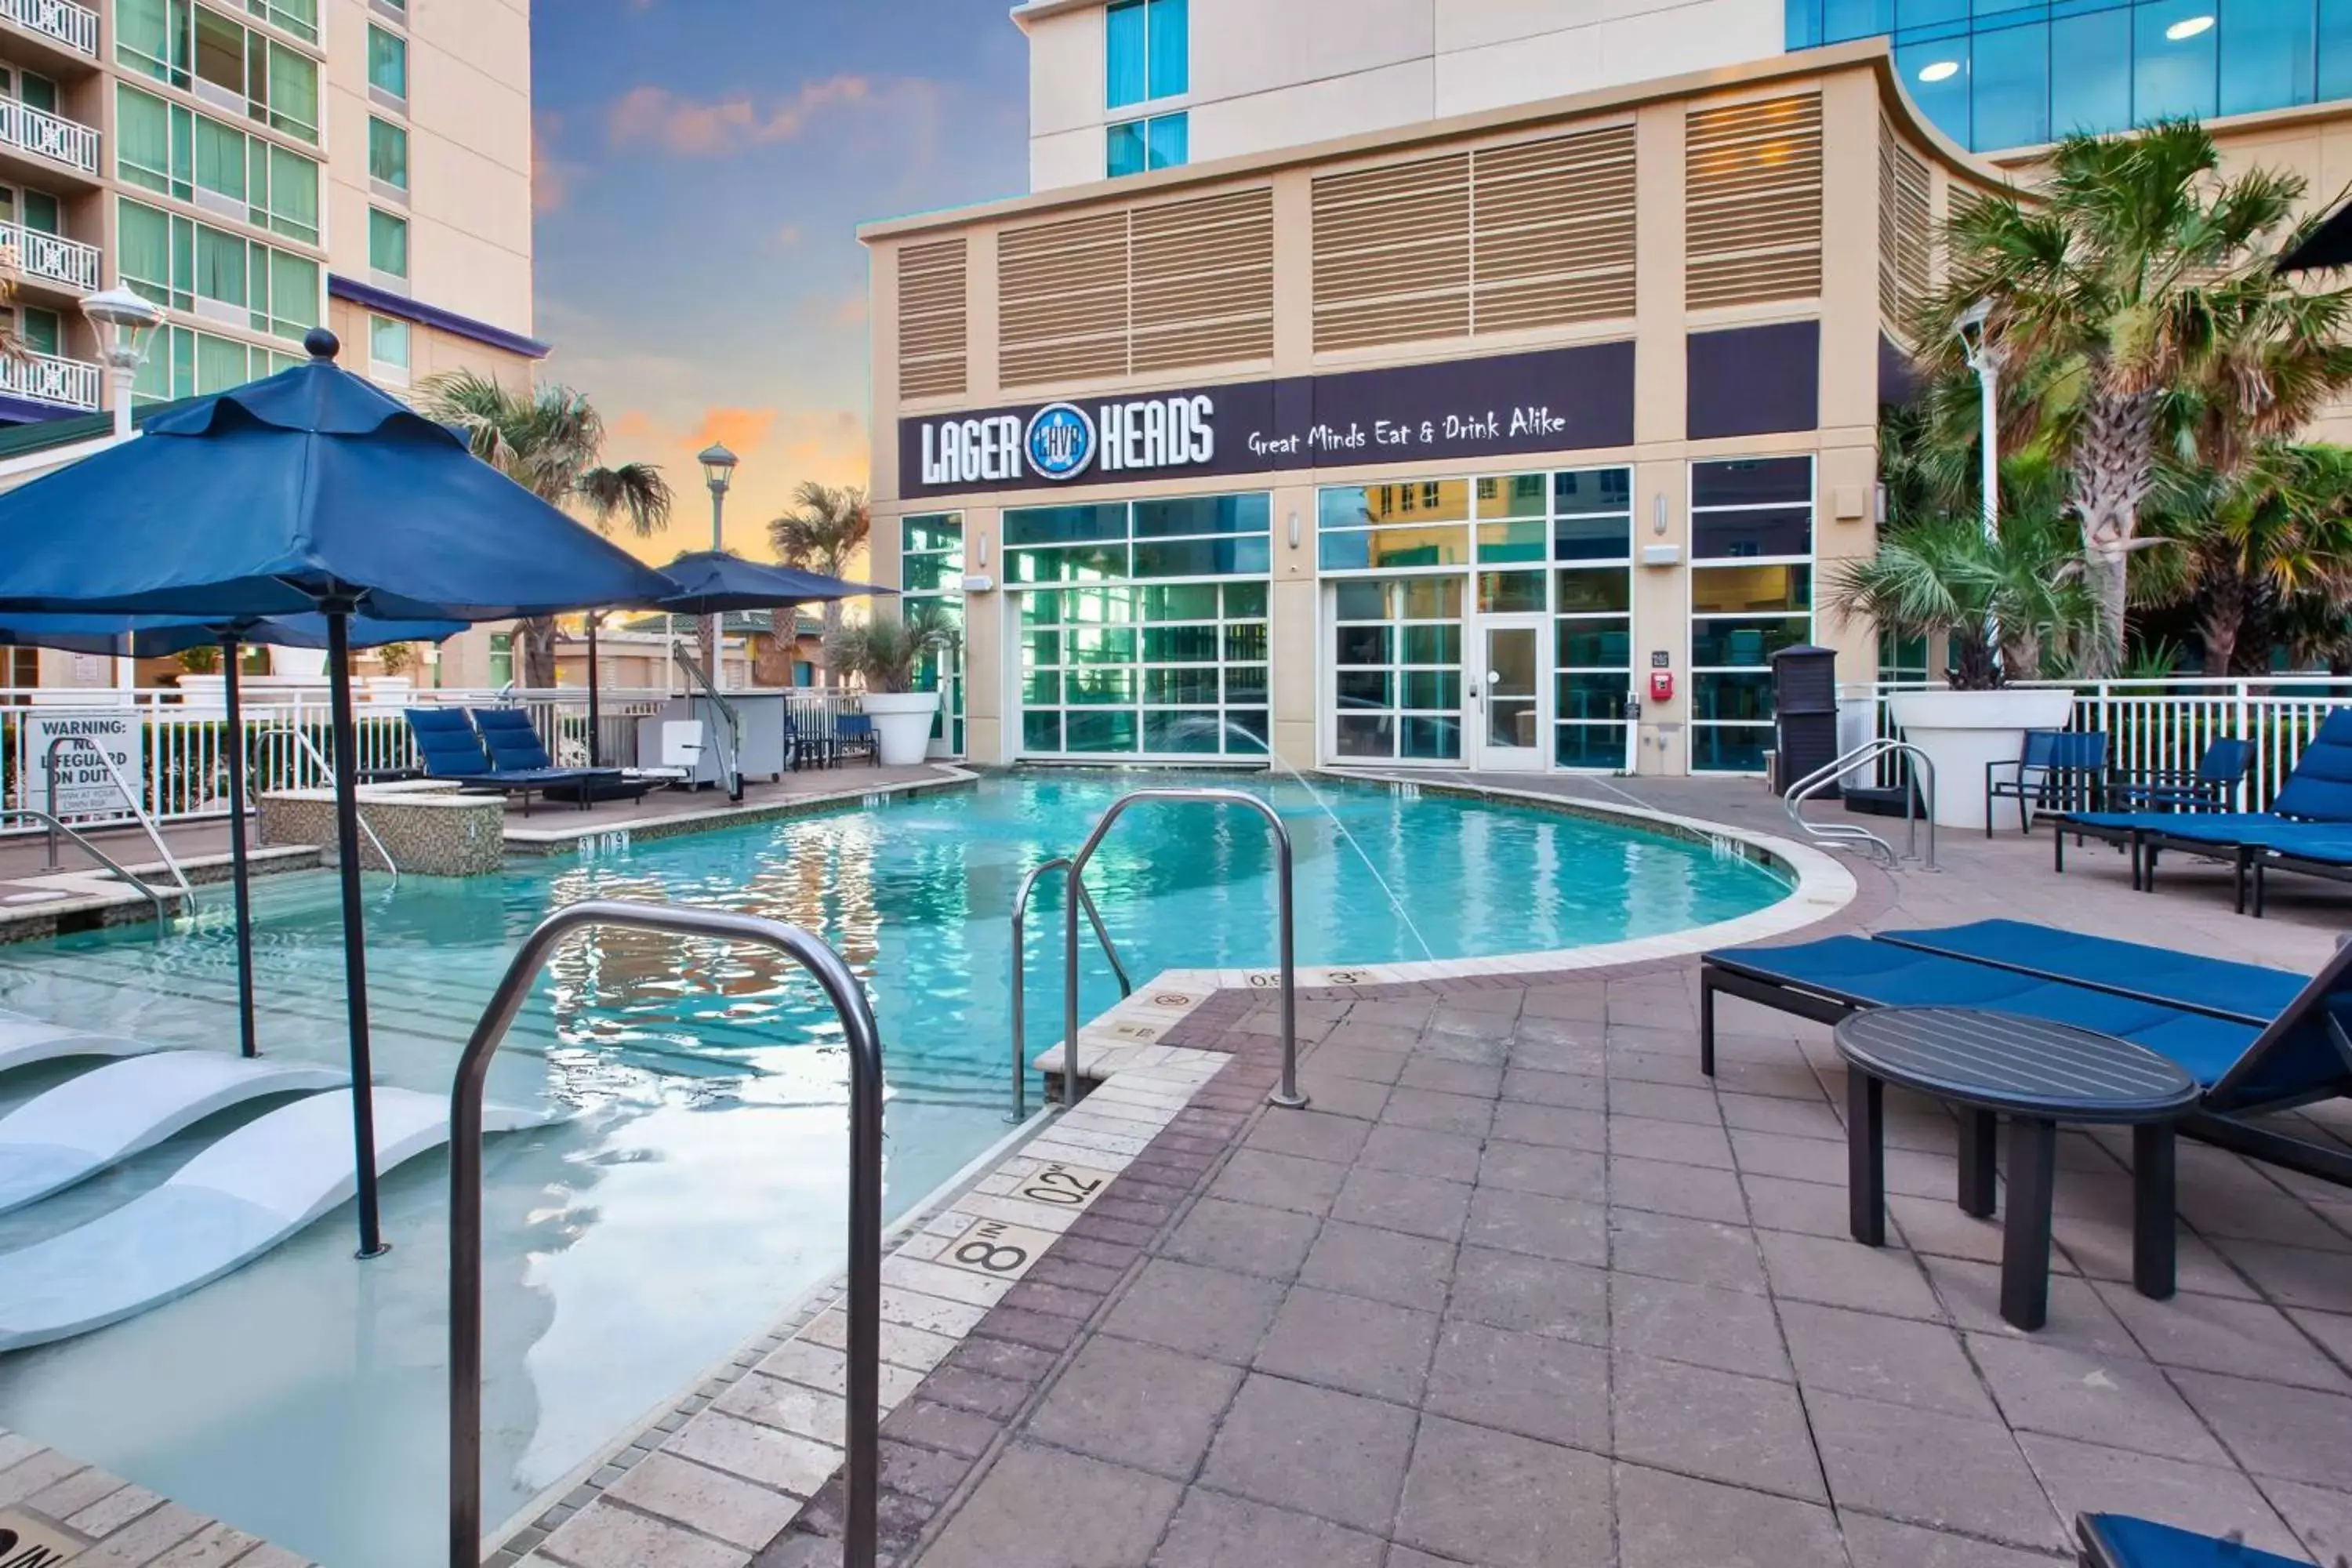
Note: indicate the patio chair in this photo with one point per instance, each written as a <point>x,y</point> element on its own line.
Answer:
<point>2253,1038</point>
<point>2210,786</point>
<point>2312,809</point>
<point>853,734</point>
<point>2119,1540</point>
<point>452,751</point>
<point>2059,770</point>
<point>517,751</point>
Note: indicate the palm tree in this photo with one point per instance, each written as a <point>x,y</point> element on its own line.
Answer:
<point>1938,574</point>
<point>2135,304</point>
<point>2265,555</point>
<point>550,440</point>
<point>825,532</point>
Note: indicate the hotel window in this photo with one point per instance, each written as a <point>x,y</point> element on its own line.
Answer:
<point>387,243</point>
<point>43,331</point>
<point>1396,667</point>
<point>1146,634</point>
<point>1140,145</point>
<point>387,63</point>
<point>387,153</point>
<point>183,363</point>
<point>388,344</point>
<point>930,572</point>
<point>183,264</point>
<point>37,210</point>
<point>299,17</point>
<point>234,66</point>
<point>175,152</point>
<point>29,88</point>
<point>1147,51</point>
<point>1381,528</point>
<point>1752,592</point>
<point>502,663</point>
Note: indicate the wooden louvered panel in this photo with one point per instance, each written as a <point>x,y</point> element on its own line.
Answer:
<point>1553,239</point>
<point>1076,360</point>
<point>1753,196</point>
<point>1915,223</point>
<point>932,319</point>
<point>1418,268</point>
<point>1204,296</point>
<point>1211,343</point>
<point>1555,302</point>
<point>1531,252</point>
<point>1392,322</point>
<point>1392,253</point>
<point>1097,312</point>
<point>1062,299</point>
<point>1203,274</point>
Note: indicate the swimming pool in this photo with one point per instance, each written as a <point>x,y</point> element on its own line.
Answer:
<point>696,1186</point>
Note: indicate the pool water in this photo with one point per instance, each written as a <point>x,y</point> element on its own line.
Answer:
<point>696,1184</point>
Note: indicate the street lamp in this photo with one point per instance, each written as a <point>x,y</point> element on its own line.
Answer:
<point>718,472</point>
<point>125,322</point>
<point>1985,359</point>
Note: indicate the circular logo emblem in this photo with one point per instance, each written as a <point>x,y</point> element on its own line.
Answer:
<point>1060,442</point>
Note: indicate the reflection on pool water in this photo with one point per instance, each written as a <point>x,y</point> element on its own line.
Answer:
<point>696,1184</point>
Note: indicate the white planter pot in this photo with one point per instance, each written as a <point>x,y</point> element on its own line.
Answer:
<point>902,725</point>
<point>1962,730</point>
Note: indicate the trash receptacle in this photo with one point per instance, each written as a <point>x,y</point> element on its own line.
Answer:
<point>1804,713</point>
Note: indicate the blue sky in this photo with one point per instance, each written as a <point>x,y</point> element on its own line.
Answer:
<point>702,167</point>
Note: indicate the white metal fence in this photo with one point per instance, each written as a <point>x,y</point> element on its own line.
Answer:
<point>2164,726</point>
<point>185,754</point>
<point>74,26</point>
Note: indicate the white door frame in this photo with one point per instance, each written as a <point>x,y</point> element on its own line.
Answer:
<point>1483,755</point>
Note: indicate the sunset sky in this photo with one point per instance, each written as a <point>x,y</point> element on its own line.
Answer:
<point>702,167</point>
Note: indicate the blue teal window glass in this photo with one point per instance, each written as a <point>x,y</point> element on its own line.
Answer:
<point>2009,76</point>
<point>1124,56</point>
<point>2335,48</point>
<point>2173,75</point>
<point>2093,91</point>
<point>1170,68</point>
<point>1935,75</point>
<point>1805,27</point>
<point>1169,139</point>
<point>2269,54</point>
<point>1135,145</point>
<point>1123,150</point>
<point>1856,18</point>
<point>1912,15</point>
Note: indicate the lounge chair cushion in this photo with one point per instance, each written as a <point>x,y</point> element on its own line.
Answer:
<point>2118,1540</point>
<point>2320,789</point>
<point>448,743</point>
<point>2246,992</point>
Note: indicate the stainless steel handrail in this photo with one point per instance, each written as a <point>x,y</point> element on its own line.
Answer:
<point>130,798</point>
<point>864,1304</point>
<point>1287,1093</point>
<point>162,913</point>
<point>310,749</point>
<point>1918,767</point>
<point>1019,1111</point>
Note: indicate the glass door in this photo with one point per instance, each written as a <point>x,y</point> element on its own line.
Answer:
<point>1509,693</point>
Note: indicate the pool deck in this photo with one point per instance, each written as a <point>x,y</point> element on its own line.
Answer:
<point>1523,1289</point>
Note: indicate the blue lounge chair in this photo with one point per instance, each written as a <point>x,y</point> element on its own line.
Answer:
<point>2118,1540</point>
<point>517,753</point>
<point>2253,1038</point>
<point>2316,794</point>
<point>2059,770</point>
<point>2209,788</point>
<point>451,751</point>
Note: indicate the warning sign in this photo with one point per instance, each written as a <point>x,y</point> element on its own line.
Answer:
<point>73,742</point>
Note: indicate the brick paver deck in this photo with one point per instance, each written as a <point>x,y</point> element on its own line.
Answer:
<point>1523,1289</point>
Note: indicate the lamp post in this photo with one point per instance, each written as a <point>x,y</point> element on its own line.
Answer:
<point>1985,359</point>
<point>718,472</point>
<point>125,324</point>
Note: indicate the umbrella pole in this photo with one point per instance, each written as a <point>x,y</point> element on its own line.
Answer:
<point>239,874</point>
<point>596,730</point>
<point>347,851</point>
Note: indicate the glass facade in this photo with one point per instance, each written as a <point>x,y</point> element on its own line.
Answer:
<point>930,572</point>
<point>1137,146</point>
<point>1998,74</point>
<point>183,264</point>
<point>183,363</point>
<point>1752,595</point>
<point>1142,627</point>
<point>174,150</point>
<point>1396,660</point>
<point>1147,55</point>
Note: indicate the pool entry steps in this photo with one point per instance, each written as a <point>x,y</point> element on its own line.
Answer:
<point>27,1041</point>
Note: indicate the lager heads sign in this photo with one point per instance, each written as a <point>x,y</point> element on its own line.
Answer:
<point>1553,401</point>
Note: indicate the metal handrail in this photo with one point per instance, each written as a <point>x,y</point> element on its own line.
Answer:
<point>1019,1111</point>
<point>865,1303</point>
<point>310,749</point>
<point>1287,1093</point>
<point>162,914</point>
<point>130,798</point>
<point>727,736</point>
<point>1917,763</point>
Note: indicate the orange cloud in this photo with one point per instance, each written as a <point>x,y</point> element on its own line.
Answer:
<point>693,129</point>
<point>777,448</point>
<point>738,430</point>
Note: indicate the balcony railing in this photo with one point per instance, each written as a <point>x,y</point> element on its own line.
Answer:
<point>29,253</point>
<point>76,26</point>
<point>39,132</point>
<point>71,383</point>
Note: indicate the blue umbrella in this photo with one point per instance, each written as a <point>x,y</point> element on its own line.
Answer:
<point>713,582</point>
<point>160,637</point>
<point>311,490</point>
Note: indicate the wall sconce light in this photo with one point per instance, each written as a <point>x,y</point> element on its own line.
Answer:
<point>983,552</point>
<point>1878,506</point>
<point>1293,528</point>
<point>1658,514</point>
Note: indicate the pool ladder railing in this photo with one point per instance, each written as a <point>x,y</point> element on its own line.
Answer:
<point>1918,793</point>
<point>57,828</point>
<point>130,800</point>
<point>1020,1108</point>
<point>865,1293</point>
<point>1286,1093</point>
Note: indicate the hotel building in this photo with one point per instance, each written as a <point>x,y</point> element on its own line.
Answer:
<point>1455,383</point>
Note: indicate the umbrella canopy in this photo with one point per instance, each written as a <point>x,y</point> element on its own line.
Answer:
<point>713,582</point>
<point>2330,245</point>
<point>311,489</point>
<point>160,637</point>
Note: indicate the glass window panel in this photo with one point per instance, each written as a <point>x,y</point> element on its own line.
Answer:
<point>1433,644</point>
<point>41,213</point>
<point>1803,24</point>
<point>1203,514</point>
<point>1180,602</point>
<point>1180,645</point>
<point>1432,740</point>
<point>293,194</point>
<point>1718,590</point>
<point>1245,732</point>
<point>152,35</point>
<point>2269,54</point>
<point>1125,44</point>
<point>2335,48</point>
<point>1605,591</point>
<point>1169,50</point>
<point>1360,599</point>
<point>1364,688</point>
<point>1099,686</point>
<point>1363,644</point>
<point>1935,75</point>
<point>1727,750</point>
<point>1594,644</point>
<point>1511,495</point>
<point>1591,697</point>
<point>387,242</point>
<point>1913,14</point>
<point>2092,91</point>
<point>1499,541</point>
<point>1246,643</point>
<point>220,266</point>
<point>922,574</point>
<point>1123,151</point>
<point>387,61</point>
<point>388,341</point>
<point>1169,139</point>
<point>293,294</point>
<point>1076,564</point>
<point>1099,644</point>
<point>220,158</point>
<point>1727,535</point>
<point>1590,746</point>
<point>1041,731</point>
<point>43,331</point>
<point>1740,695</point>
<point>220,363</point>
<point>1749,644</point>
<point>1110,731</point>
<point>1431,598</point>
<point>933,531</point>
<point>387,152</point>
<point>220,51</point>
<point>293,93</point>
<point>1203,558</point>
<point>1593,539</point>
<point>1592,489</point>
<point>2010,80</point>
<point>1042,688</point>
<point>1509,592</point>
<point>1244,599</point>
<point>143,238</point>
<point>1366,734</point>
<point>1246,683</point>
<point>1349,506</point>
<point>1065,524</point>
<point>1440,689</point>
<point>144,141</point>
<point>2173,76</point>
<point>1753,482</point>
<point>1180,732</point>
<point>1394,547</point>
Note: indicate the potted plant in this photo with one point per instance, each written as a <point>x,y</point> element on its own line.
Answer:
<point>884,652</point>
<point>2006,607</point>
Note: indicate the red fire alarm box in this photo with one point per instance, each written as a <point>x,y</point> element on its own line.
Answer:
<point>1662,686</point>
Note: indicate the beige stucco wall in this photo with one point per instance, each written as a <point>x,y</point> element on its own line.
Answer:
<point>1276,75</point>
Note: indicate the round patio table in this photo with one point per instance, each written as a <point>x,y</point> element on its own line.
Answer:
<point>2038,1074</point>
